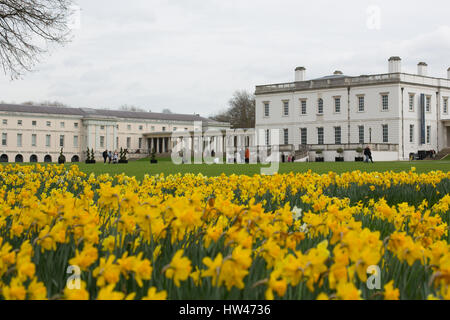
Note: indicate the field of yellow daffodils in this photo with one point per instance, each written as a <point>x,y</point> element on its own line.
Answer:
<point>65,235</point>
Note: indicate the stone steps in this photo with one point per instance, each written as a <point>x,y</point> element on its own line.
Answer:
<point>443,153</point>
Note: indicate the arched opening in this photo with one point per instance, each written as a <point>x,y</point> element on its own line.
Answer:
<point>19,158</point>
<point>75,159</point>
<point>48,158</point>
<point>33,158</point>
<point>4,158</point>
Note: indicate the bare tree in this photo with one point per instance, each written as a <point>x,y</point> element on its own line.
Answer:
<point>126,107</point>
<point>166,111</point>
<point>241,111</point>
<point>55,104</point>
<point>27,28</point>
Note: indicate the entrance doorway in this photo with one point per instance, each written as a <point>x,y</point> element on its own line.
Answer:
<point>448,137</point>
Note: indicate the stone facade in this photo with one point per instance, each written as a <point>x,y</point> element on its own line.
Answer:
<point>37,134</point>
<point>339,111</point>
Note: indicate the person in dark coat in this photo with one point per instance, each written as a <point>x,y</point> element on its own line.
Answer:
<point>368,154</point>
<point>105,155</point>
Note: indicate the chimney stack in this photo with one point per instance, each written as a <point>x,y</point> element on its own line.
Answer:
<point>395,65</point>
<point>422,69</point>
<point>448,73</point>
<point>300,74</point>
<point>337,72</point>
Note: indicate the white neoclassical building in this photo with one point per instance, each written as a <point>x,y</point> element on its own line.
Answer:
<point>37,133</point>
<point>396,113</point>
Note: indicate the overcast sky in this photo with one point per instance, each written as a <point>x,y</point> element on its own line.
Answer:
<point>191,55</point>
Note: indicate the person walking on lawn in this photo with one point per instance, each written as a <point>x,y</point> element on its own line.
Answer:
<point>105,155</point>
<point>368,154</point>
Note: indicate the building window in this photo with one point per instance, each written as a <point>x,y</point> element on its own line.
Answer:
<point>361,102</point>
<point>19,122</point>
<point>141,127</point>
<point>174,128</point>
<point>266,109</point>
<point>140,143</point>
<point>33,140</point>
<point>428,104</point>
<point>337,105</point>
<point>62,124</point>
<point>19,140</point>
<point>34,123</point>
<point>428,134</point>
<point>4,139</point>
<point>286,136</point>
<point>163,129</point>
<point>75,125</point>
<point>303,107</point>
<point>385,133</point>
<point>320,136</point>
<point>102,127</point>
<point>129,127</point>
<point>267,137</point>
<point>411,102</point>
<point>337,135</point>
<point>385,102</point>
<point>445,105</point>
<point>75,141</point>
<point>304,136</point>
<point>61,140</point>
<point>411,133</point>
<point>128,142</point>
<point>361,134</point>
<point>285,108</point>
<point>47,140</point>
<point>117,142</point>
<point>5,121</point>
<point>48,123</point>
<point>320,106</point>
<point>185,129</point>
<point>102,141</point>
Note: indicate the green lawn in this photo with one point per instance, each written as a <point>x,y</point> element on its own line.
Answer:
<point>142,167</point>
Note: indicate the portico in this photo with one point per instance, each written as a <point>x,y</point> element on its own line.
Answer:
<point>208,141</point>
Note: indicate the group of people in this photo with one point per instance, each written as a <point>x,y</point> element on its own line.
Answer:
<point>110,156</point>
<point>288,158</point>
<point>242,156</point>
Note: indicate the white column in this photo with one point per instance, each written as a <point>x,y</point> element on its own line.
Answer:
<point>115,146</point>
<point>88,134</point>
<point>96,139</point>
<point>107,138</point>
